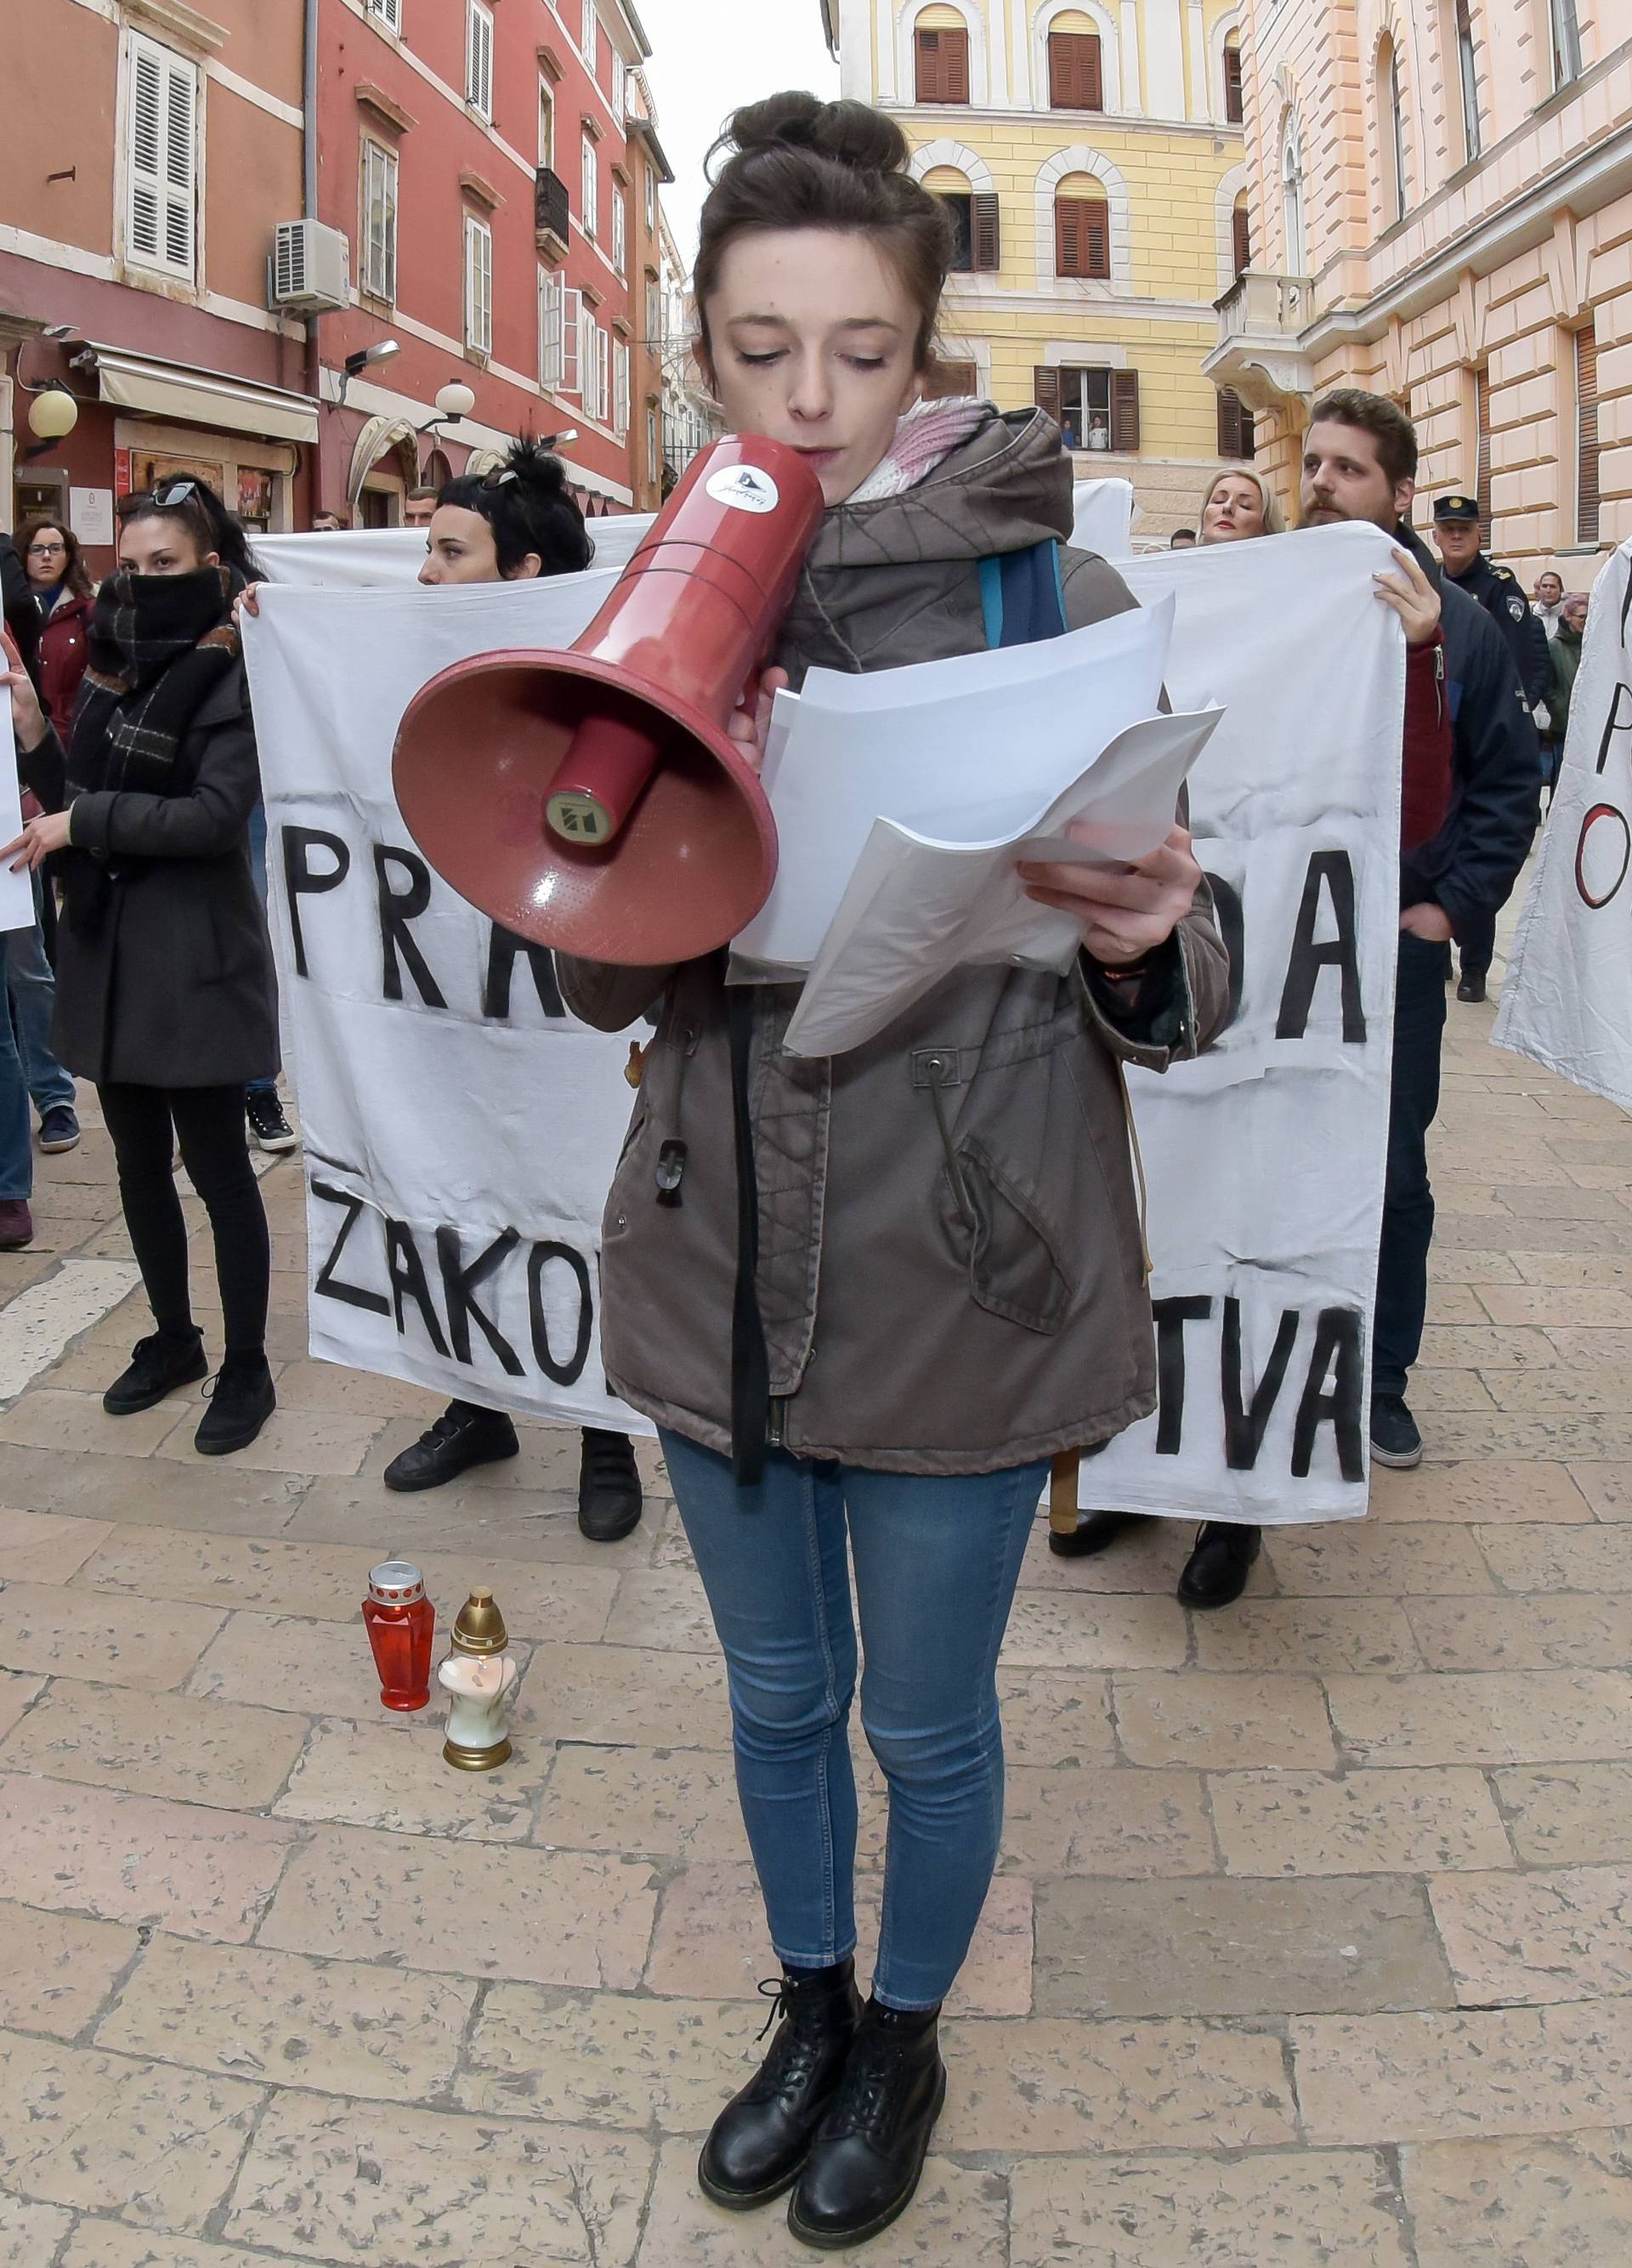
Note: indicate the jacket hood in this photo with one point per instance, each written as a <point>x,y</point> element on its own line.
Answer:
<point>1006,488</point>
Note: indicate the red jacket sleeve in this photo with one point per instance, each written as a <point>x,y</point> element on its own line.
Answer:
<point>1425,787</point>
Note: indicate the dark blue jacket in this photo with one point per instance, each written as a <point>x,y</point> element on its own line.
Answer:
<point>1470,865</point>
<point>1502,595</point>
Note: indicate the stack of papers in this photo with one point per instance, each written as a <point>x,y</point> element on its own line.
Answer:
<point>904,800</point>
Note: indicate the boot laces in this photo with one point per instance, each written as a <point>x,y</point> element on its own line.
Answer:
<point>792,2053</point>
<point>866,2097</point>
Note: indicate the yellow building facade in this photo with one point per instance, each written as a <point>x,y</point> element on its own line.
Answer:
<point>1094,157</point>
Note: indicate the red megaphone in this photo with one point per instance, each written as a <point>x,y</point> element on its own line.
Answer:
<point>590,800</point>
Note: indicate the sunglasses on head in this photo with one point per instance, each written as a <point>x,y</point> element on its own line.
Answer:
<point>165,494</point>
<point>499,477</point>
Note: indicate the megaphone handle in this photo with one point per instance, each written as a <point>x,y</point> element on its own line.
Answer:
<point>750,721</point>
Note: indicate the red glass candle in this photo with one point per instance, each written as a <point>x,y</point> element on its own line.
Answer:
<point>401,1621</point>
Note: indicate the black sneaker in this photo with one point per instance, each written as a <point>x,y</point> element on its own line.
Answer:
<point>158,1367</point>
<point>1472,987</point>
<point>463,1436</point>
<point>59,1129</point>
<point>266,1122</point>
<point>609,1497</point>
<point>241,1399</point>
<point>1395,1440</point>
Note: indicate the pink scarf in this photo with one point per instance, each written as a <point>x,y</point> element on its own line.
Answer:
<point>924,437</point>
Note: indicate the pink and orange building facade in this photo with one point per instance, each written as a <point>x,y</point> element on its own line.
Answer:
<point>206,212</point>
<point>1440,196</point>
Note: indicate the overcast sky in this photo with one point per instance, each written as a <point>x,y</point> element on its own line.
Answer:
<point>709,55</point>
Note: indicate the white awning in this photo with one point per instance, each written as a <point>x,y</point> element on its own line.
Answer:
<point>204,397</point>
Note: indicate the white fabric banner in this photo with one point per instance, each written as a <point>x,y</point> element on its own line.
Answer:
<point>461,1129</point>
<point>1567,1000</point>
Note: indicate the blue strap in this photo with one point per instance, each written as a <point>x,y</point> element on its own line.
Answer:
<point>1023,595</point>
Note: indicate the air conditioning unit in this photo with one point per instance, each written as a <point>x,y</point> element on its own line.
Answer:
<point>311,267</point>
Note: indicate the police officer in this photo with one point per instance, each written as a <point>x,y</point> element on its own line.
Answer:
<point>1459,536</point>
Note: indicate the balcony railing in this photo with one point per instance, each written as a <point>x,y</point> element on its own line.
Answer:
<point>1259,306</point>
<point>551,210</point>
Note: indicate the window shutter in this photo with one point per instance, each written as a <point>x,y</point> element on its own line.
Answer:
<point>549,330</point>
<point>571,326</point>
<point>1076,72</point>
<point>1234,110</point>
<point>603,374</point>
<point>1125,412</point>
<point>950,379</point>
<point>621,390</point>
<point>1229,424</point>
<point>955,62</point>
<point>985,245</point>
<point>478,286</point>
<point>161,135</point>
<point>929,74</point>
<point>1046,390</point>
<point>1586,436</point>
<point>1241,227</point>
<point>1096,237</point>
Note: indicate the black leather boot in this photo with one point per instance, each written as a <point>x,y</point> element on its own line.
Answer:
<point>760,2140</point>
<point>1216,1573</point>
<point>870,2149</point>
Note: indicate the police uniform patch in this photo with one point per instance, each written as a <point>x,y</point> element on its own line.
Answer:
<point>1516,607</point>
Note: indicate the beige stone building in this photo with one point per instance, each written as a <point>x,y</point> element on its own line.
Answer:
<point>1090,152</point>
<point>1440,195</point>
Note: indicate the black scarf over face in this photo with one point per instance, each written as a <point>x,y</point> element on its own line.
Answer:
<point>158,645</point>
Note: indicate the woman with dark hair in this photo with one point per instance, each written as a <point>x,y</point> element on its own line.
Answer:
<point>164,990</point>
<point>904,1279</point>
<point>507,526</point>
<point>62,591</point>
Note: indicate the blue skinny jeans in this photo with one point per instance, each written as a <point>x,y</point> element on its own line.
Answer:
<point>936,1561</point>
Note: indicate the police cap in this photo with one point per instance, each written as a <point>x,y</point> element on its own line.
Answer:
<point>1455,508</point>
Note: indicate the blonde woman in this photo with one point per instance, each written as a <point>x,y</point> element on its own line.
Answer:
<point>1239,503</point>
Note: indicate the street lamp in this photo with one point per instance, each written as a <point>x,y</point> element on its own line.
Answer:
<point>53,415</point>
<point>365,359</point>
<point>454,400</point>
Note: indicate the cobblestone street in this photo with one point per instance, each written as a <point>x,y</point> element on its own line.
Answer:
<point>1310,1942</point>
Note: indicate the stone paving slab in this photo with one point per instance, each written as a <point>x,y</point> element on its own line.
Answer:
<point>1310,1943</point>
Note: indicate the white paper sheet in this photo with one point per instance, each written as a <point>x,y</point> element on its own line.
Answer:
<point>969,751</point>
<point>17,891</point>
<point>916,908</point>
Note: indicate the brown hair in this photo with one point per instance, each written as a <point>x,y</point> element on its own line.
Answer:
<point>1384,420</point>
<point>76,575</point>
<point>798,162</point>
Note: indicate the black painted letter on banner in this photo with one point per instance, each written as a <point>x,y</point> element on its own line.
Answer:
<point>1309,957</point>
<point>299,880</point>
<point>1337,1349</point>
<point>1171,1315</point>
<point>397,910</point>
<point>569,1373</point>
<point>353,1295</point>
<point>407,1273</point>
<point>1245,1428</point>
<point>457,1284</point>
<point>503,946</point>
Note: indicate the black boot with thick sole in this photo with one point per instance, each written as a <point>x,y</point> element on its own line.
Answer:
<point>758,2143</point>
<point>240,1402</point>
<point>870,2149</point>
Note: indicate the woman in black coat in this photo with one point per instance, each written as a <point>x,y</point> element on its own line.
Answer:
<point>164,989</point>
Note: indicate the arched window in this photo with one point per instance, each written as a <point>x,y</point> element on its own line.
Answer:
<point>1566,42</point>
<point>974,219</point>
<point>1234,108</point>
<point>1241,235</point>
<point>1467,74</point>
<point>1391,129</point>
<point>1075,67</point>
<point>940,47</point>
<point>1082,228</point>
<point>1292,198</point>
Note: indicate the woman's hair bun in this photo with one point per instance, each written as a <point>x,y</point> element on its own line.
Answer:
<point>848,131</point>
<point>532,463</point>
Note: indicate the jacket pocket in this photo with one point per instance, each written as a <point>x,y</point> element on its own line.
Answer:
<point>1016,1268</point>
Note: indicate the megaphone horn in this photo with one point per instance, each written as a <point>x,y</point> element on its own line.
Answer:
<point>590,799</point>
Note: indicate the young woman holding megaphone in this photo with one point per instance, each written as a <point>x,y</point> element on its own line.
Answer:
<point>897,1283</point>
